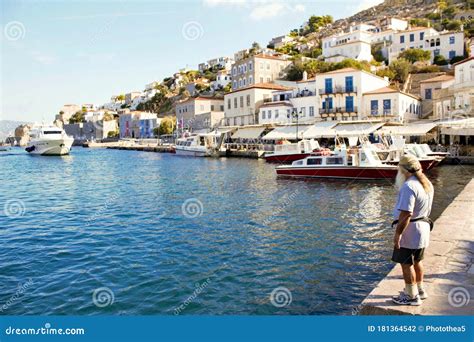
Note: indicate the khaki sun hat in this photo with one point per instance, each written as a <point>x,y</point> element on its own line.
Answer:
<point>410,163</point>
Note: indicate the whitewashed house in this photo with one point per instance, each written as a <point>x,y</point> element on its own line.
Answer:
<point>340,92</point>
<point>390,104</point>
<point>223,78</point>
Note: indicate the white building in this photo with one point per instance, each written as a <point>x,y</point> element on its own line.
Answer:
<point>280,41</point>
<point>299,103</point>
<point>341,91</point>
<point>446,43</point>
<point>219,62</point>
<point>242,105</point>
<point>223,78</point>
<point>390,105</point>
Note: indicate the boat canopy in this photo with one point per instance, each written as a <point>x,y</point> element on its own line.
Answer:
<point>408,130</point>
<point>287,132</point>
<point>248,133</point>
<point>355,129</point>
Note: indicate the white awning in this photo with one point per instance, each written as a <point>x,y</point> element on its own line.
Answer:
<point>408,130</point>
<point>356,128</point>
<point>323,129</point>
<point>287,132</point>
<point>248,133</point>
<point>458,130</point>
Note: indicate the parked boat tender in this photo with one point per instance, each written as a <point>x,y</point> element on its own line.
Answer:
<point>286,153</point>
<point>49,140</point>
<point>353,163</point>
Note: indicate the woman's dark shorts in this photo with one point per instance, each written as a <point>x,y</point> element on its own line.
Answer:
<point>408,256</point>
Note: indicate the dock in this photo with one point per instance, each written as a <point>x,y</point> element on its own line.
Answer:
<point>449,278</point>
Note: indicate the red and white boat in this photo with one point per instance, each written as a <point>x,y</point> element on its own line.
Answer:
<point>352,163</point>
<point>286,153</point>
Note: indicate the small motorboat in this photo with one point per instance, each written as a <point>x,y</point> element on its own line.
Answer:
<point>200,145</point>
<point>286,152</point>
<point>347,163</point>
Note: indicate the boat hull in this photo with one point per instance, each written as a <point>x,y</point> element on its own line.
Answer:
<point>344,172</point>
<point>285,158</point>
<point>56,147</point>
<point>190,153</point>
<point>426,164</point>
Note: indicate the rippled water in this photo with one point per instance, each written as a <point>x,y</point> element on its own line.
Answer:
<point>168,235</point>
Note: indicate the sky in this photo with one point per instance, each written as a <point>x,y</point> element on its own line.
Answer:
<point>58,52</point>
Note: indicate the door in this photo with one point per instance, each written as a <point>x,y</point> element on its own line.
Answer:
<point>350,104</point>
<point>328,85</point>
<point>349,84</point>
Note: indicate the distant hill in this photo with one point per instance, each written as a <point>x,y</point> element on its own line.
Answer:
<point>7,127</point>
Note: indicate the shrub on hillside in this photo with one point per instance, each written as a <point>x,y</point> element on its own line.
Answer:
<point>415,55</point>
<point>440,60</point>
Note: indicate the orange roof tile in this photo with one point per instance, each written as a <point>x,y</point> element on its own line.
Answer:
<point>271,86</point>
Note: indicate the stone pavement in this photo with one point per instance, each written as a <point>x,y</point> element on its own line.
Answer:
<point>449,278</point>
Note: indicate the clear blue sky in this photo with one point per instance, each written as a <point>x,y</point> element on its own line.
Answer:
<point>57,52</point>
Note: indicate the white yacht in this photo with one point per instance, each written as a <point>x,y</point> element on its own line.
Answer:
<point>49,140</point>
<point>200,145</point>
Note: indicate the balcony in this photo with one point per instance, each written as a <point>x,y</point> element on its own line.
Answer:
<point>338,110</point>
<point>338,90</point>
<point>382,112</point>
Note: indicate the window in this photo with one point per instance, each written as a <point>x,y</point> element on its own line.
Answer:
<point>402,39</point>
<point>250,66</point>
<point>422,35</point>
<point>235,102</point>
<point>374,107</point>
<point>248,100</point>
<point>452,40</point>
<point>245,68</point>
<point>268,66</point>
<point>268,80</point>
<point>269,114</point>
<point>333,161</point>
<point>222,108</point>
<point>428,94</point>
<point>261,79</point>
<point>311,110</point>
<point>212,108</point>
<point>241,102</point>
<point>303,112</point>
<point>452,54</point>
<point>412,37</point>
<point>387,107</point>
<point>250,80</point>
<point>328,85</point>
<point>314,161</point>
<point>240,83</point>
<point>261,65</point>
<point>244,82</point>
<point>277,113</point>
<point>438,42</point>
<point>263,114</point>
<point>349,83</point>
<point>288,113</point>
<point>228,104</point>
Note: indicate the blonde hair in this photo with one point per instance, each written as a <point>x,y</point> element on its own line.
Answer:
<point>411,164</point>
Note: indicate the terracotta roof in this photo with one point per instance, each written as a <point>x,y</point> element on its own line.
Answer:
<point>269,57</point>
<point>271,86</point>
<point>464,60</point>
<point>339,71</point>
<point>441,78</point>
<point>388,90</point>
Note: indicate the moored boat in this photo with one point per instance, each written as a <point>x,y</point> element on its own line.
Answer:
<point>286,153</point>
<point>49,140</point>
<point>200,145</point>
<point>353,163</point>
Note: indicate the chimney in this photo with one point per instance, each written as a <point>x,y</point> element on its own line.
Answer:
<point>305,76</point>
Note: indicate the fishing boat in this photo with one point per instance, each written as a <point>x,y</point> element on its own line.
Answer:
<point>48,140</point>
<point>286,152</point>
<point>200,145</point>
<point>348,163</point>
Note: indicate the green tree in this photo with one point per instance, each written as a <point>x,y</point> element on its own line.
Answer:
<point>254,49</point>
<point>400,68</point>
<point>440,60</point>
<point>415,55</point>
<point>77,117</point>
<point>316,22</point>
<point>386,73</point>
<point>167,125</point>
<point>456,59</point>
